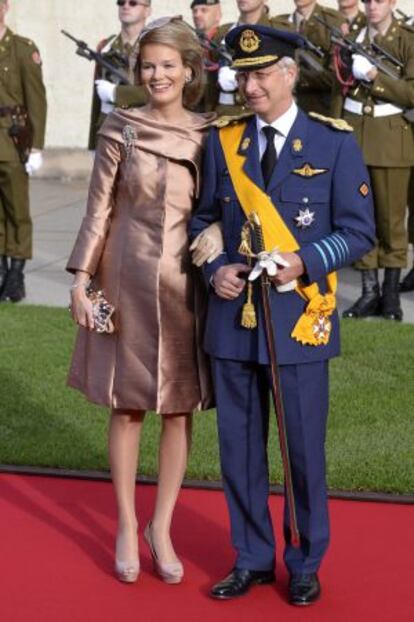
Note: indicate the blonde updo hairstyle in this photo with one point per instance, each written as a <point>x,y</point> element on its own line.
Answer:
<point>178,35</point>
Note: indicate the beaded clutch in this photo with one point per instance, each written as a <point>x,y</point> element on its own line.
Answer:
<point>102,311</point>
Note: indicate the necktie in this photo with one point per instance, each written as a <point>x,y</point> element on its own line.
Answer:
<point>269,158</point>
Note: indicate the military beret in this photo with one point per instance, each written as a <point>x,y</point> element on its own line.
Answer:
<point>207,2</point>
<point>254,46</point>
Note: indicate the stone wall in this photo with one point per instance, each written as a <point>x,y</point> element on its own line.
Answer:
<point>68,77</point>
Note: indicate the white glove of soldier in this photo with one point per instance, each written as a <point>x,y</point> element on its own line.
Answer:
<point>227,79</point>
<point>208,245</point>
<point>361,67</point>
<point>34,162</point>
<point>106,91</point>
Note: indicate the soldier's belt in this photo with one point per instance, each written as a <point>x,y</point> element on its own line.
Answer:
<point>374,110</point>
<point>6,111</point>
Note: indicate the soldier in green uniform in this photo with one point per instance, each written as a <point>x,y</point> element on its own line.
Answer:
<point>121,50</point>
<point>355,19</point>
<point>206,18</point>
<point>228,100</point>
<point>316,78</point>
<point>407,284</point>
<point>375,106</point>
<point>22,132</point>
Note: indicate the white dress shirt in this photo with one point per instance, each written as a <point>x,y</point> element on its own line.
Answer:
<point>283,126</point>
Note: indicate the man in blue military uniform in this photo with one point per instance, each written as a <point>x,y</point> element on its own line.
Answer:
<point>306,179</point>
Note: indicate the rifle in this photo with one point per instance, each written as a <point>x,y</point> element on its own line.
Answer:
<point>338,37</point>
<point>92,55</point>
<point>308,58</point>
<point>212,46</point>
<point>405,17</point>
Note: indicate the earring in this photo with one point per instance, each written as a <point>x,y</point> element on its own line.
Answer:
<point>188,79</point>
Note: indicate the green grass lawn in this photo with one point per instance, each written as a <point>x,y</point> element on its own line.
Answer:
<point>371,427</point>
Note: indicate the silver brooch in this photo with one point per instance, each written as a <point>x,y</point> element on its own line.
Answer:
<point>129,135</point>
<point>305,219</point>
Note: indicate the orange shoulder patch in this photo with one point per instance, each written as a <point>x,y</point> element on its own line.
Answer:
<point>36,58</point>
<point>364,189</point>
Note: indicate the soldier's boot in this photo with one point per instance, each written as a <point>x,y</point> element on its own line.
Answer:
<point>369,302</point>
<point>407,284</point>
<point>390,300</point>
<point>14,289</point>
<point>4,268</point>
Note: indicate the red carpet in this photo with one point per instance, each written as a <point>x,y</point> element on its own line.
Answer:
<point>56,560</point>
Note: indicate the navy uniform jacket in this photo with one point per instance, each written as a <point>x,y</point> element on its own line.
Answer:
<point>343,230</point>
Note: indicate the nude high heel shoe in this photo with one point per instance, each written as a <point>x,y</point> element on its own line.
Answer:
<point>127,571</point>
<point>171,572</point>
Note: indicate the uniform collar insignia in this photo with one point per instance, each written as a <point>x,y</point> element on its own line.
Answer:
<point>297,145</point>
<point>245,144</point>
<point>307,170</point>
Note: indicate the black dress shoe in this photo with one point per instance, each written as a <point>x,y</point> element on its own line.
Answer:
<point>304,589</point>
<point>239,581</point>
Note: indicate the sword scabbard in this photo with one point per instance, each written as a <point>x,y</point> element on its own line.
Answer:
<point>276,389</point>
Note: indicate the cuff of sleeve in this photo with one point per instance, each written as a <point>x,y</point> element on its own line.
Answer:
<point>315,263</point>
<point>88,247</point>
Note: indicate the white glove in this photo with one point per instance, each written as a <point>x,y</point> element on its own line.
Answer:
<point>227,79</point>
<point>208,245</point>
<point>270,262</point>
<point>34,162</point>
<point>361,67</point>
<point>106,91</point>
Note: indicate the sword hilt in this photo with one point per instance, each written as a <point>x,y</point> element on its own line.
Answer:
<point>258,231</point>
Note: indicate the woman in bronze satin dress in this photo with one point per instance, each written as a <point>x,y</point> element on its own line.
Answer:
<point>133,244</point>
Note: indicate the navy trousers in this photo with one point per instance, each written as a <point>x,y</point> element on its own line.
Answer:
<point>242,393</point>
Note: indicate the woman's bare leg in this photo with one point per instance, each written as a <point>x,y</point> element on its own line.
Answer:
<point>175,446</point>
<point>124,436</point>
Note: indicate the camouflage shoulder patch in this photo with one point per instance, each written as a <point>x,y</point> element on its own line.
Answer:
<point>336,124</point>
<point>226,120</point>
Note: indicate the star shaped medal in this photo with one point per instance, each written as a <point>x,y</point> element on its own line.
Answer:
<point>322,329</point>
<point>305,218</point>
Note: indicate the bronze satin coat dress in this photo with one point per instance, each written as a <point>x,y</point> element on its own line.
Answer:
<point>133,240</point>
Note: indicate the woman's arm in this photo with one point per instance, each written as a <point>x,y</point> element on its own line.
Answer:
<point>90,242</point>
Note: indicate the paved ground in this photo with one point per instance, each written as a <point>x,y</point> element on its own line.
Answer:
<point>57,209</point>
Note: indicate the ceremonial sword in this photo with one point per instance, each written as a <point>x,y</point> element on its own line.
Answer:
<point>276,389</point>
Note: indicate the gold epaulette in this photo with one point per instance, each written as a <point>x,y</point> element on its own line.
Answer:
<point>227,119</point>
<point>337,124</point>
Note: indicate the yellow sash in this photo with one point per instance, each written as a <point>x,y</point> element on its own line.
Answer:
<point>313,326</point>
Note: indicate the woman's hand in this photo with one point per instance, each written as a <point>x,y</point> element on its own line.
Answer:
<point>81,306</point>
<point>208,245</point>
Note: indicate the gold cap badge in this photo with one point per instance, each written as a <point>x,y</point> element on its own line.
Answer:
<point>249,41</point>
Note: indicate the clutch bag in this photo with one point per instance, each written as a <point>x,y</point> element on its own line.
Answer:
<point>102,310</point>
